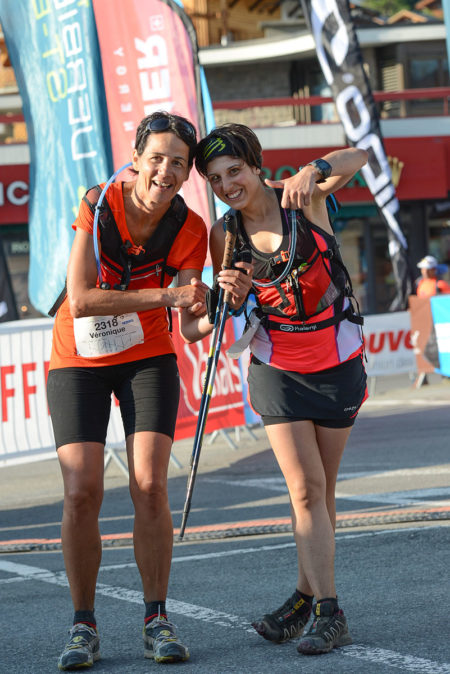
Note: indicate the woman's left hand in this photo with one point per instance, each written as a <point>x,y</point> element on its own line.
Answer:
<point>237,281</point>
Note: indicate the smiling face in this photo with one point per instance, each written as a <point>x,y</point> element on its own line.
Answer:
<point>162,167</point>
<point>233,181</point>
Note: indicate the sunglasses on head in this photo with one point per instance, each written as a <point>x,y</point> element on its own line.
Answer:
<point>165,123</point>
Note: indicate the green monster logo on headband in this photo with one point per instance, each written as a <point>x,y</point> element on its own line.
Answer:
<point>215,145</point>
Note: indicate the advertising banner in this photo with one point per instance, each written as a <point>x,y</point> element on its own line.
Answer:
<point>26,432</point>
<point>340,58</point>
<point>440,309</point>
<point>25,427</point>
<point>150,62</point>
<point>8,307</point>
<point>14,193</point>
<point>226,409</point>
<point>423,334</point>
<point>387,339</point>
<point>53,49</point>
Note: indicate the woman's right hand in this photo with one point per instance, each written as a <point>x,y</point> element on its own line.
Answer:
<point>189,295</point>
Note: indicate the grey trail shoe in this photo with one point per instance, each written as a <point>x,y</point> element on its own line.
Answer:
<point>82,649</point>
<point>161,643</point>
<point>287,622</point>
<point>328,630</point>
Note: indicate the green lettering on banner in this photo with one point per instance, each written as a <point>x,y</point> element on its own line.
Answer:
<point>357,181</point>
<point>279,172</point>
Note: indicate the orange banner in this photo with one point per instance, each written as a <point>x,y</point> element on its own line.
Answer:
<point>148,64</point>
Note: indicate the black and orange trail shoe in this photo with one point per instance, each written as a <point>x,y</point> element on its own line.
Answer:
<point>328,630</point>
<point>287,622</point>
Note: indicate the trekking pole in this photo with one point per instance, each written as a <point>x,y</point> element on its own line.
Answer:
<point>211,368</point>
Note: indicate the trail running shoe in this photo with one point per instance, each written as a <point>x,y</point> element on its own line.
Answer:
<point>287,622</point>
<point>82,649</point>
<point>329,630</point>
<point>161,643</point>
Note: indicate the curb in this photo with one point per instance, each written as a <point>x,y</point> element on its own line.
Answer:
<point>248,528</point>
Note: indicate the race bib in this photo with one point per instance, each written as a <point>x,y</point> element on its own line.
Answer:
<point>103,335</point>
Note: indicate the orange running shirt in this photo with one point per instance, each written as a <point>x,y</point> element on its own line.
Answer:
<point>188,252</point>
<point>427,287</point>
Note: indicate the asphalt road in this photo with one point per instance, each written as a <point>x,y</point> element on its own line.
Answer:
<point>392,553</point>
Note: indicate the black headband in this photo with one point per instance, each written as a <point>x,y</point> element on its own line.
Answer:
<point>216,147</point>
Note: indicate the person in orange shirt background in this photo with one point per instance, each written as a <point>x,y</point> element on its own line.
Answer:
<point>429,284</point>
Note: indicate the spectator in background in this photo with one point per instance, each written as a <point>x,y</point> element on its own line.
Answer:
<point>429,284</point>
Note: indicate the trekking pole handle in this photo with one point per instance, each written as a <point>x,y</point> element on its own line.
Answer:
<point>230,240</point>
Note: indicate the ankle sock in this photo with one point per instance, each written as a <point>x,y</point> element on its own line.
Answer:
<point>86,617</point>
<point>331,601</point>
<point>306,597</point>
<point>303,602</point>
<point>153,609</point>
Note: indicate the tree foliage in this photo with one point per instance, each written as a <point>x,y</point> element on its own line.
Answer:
<point>389,7</point>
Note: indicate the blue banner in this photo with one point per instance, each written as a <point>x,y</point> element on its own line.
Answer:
<point>54,51</point>
<point>440,309</point>
<point>446,8</point>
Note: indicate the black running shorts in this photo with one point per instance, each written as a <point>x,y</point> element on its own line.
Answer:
<point>329,398</point>
<point>79,399</point>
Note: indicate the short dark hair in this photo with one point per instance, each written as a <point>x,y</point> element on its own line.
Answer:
<point>176,124</point>
<point>239,139</point>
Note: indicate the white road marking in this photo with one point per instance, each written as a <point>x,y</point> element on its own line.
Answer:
<point>398,472</point>
<point>404,403</point>
<point>407,663</point>
<point>214,555</point>
<point>271,483</point>
<point>125,594</point>
<point>406,497</point>
<point>381,656</point>
<point>268,548</point>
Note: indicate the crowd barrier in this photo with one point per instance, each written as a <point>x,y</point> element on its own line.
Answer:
<point>25,429</point>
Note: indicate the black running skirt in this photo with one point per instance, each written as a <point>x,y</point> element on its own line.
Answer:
<point>330,398</point>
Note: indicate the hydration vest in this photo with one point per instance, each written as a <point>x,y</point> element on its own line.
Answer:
<point>127,262</point>
<point>317,278</point>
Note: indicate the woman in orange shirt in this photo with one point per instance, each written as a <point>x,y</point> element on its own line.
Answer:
<point>111,335</point>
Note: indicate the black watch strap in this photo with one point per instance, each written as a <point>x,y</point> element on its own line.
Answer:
<point>323,168</point>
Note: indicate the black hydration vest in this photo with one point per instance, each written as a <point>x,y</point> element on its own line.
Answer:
<point>317,279</point>
<point>127,262</point>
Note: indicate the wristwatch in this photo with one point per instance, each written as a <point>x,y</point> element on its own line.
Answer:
<point>323,168</point>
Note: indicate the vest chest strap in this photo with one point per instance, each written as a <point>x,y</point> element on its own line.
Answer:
<point>319,325</point>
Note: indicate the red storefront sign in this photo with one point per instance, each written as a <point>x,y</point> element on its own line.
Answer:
<point>14,194</point>
<point>421,165</point>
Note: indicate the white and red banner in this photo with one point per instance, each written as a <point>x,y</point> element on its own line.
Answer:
<point>388,344</point>
<point>149,59</point>
<point>25,427</point>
